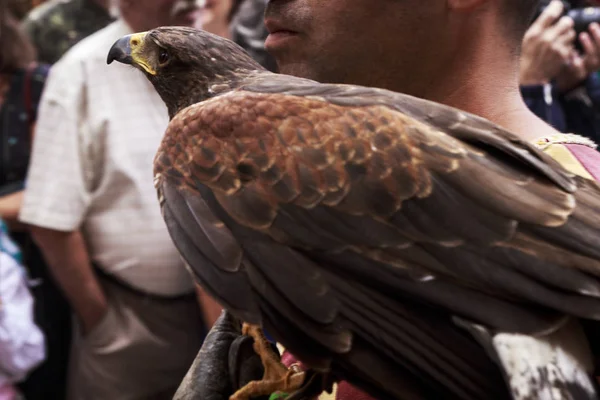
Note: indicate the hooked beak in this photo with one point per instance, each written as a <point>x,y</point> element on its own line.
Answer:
<point>128,50</point>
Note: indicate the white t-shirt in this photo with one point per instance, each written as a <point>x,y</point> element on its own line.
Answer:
<point>98,129</point>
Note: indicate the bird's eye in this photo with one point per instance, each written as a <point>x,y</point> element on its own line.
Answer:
<point>163,56</point>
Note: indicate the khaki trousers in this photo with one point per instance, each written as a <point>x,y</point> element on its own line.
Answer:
<point>140,350</point>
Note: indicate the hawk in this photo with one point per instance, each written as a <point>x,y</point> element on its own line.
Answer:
<point>407,247</point>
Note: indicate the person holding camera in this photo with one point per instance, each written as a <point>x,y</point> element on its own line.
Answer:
<point>559,81</point>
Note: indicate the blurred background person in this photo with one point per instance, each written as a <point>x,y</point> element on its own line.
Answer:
<point>57,25</point>
<point>93,210</point>
<point>216,16</point>
<point>21,340</point>
<point>249,31</point>
<point>558,81</point>
<point>21,84</point>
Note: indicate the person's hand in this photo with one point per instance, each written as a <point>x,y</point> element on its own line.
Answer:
<point>591,45</point>
<point>547,46</point>
<point>572,74</point>
<point>580,66</point>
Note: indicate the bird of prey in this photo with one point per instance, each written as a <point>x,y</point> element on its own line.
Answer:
<point>414,250</point>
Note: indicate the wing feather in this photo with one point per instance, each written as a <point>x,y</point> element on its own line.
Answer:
<point>355,212</point>
<point>232,290</point>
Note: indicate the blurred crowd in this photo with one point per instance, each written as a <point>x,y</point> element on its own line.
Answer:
<point>95,302</point>
<point>560,60</point>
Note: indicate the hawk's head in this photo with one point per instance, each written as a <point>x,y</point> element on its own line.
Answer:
<point>184,64</point>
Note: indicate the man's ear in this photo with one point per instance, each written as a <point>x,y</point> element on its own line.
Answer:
<point>464,5</point>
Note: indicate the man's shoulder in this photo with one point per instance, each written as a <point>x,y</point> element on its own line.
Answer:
<point>62,15</point>
<point>83,63</point>
<point>53,16</point>
<point>95,47</point>
<point>57,25</point>
<point>46,10</point>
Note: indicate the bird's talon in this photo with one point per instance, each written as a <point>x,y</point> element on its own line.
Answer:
<point>246,328</point>
<point>295,367</point>
<point>277,377</point>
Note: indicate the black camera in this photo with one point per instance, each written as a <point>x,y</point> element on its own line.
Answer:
<point>581,16</point>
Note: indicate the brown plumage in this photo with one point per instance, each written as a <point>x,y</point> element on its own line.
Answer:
<point>369,232</point>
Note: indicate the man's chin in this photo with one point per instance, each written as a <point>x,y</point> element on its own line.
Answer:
<point>298,69</point>
<point>317,72</point>
<point>293,62</point>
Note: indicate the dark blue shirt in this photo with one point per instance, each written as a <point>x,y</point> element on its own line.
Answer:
<point>577,111</point>
<point>17,114</point>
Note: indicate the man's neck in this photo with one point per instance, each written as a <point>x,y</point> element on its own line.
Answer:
<point>220,29</point>
<point>494,95</point>
<point>482,77</point>
<point>133,20</point>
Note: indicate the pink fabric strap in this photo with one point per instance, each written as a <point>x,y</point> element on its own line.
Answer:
<point>345,390</point>
<point>348,392</point>
<point>588,157</point>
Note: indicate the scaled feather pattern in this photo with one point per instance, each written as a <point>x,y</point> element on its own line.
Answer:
<point>412,249</point>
